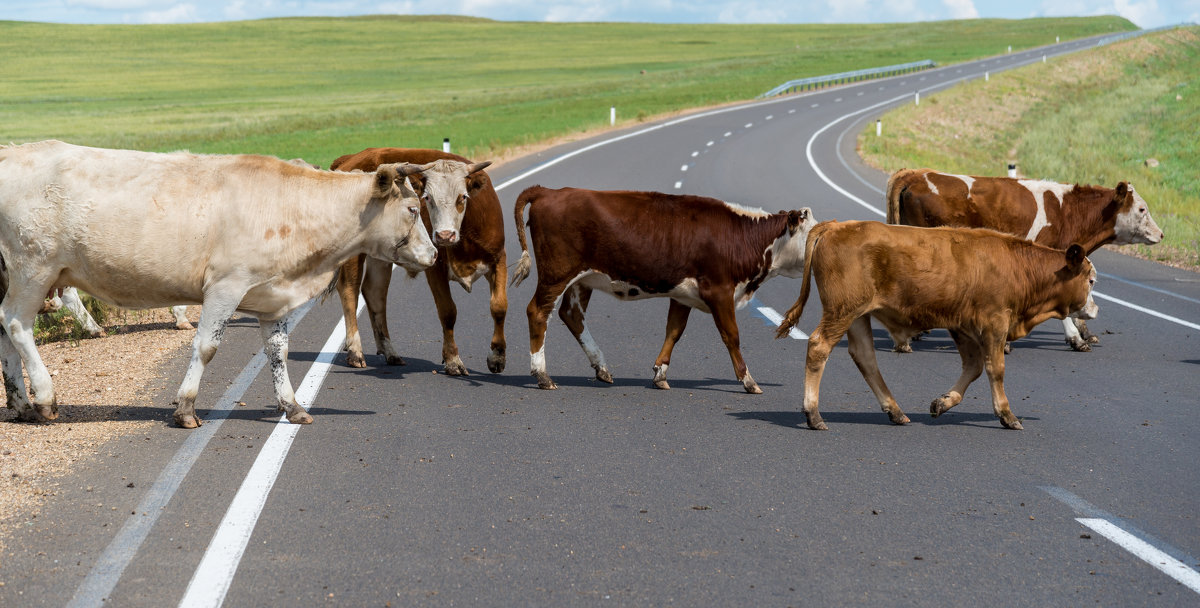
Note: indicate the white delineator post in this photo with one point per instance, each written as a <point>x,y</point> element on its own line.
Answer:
<point>878,127</point>
<point>612,115</point>
<point>1012,169</point>
<point>446,145</point>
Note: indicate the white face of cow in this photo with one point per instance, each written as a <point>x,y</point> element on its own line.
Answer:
<point>400,236</point>
<point>445,196</point>
<point>787,252</point>
<point>1135,225</point>
<point>1089,310</point>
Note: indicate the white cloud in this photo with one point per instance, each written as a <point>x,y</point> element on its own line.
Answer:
<point>961,9</point>
<point>115,5</point>
<point>179,13</point>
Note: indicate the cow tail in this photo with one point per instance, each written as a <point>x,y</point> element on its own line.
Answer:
<point>894,190</point>
<point>526,262</point>
<point>793,314</point>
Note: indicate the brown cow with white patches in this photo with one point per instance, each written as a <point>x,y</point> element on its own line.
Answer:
<point>984,286</point>
<point>1047,213</point>
<point>701,252</point>
<point>466,212</point>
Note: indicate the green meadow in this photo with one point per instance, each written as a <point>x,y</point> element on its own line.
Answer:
<point>1094,118</point>
<point>318,88</point>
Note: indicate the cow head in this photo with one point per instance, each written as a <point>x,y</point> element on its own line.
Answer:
<point>1081,275</point>
<point>1134,224</point>
<point>400,237</point>
<point>787,253</point>
<point>445,192</point>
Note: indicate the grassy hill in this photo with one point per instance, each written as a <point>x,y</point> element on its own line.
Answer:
<point>1092,118</point>
<point>321,87</point>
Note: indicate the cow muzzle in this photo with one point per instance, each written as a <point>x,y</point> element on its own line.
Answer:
<point>1089,311</point>
<point>445,238</point>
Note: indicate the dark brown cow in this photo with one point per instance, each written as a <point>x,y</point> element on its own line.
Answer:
<point>476,251</point>
<point>1047,213</point>
<point>984,286</point>
<point>700,252</point>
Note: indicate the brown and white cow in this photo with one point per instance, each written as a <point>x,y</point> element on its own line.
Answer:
<point>1047,213</point>
<point>984,286</point>
<point>235,233</point>
<point>475,250</point>
<point>700,252</point>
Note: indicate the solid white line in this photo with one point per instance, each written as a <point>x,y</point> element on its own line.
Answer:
<point>773,316</point>
<point>1153,313</point>
<point>1145,551</point>
<point>213,576</point>
<point>121,550</point>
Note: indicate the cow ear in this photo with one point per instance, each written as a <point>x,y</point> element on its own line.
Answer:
<point>1122,190</point>
<point>385,176</point>
<point>1075,257</point>
<point>417,182</point>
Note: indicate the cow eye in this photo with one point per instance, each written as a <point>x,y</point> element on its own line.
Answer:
<point>413,210</point>
<point>425,197</point>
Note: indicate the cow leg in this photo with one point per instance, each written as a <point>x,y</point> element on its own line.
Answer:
<point>497,278</point>
<point>972,366</point>
<point>376,278</point>
<point>70,299</point>
<point>214,315</point>
<point>439,285</point>
<point>862,351</point>
<point>17,314</point>
<point>275,344</point>
<point>1074,339</point>
<point>349,283</point>
<point>181,320</point>
<point>724,315</point>
<point>993,362</point>
<point>820,343</point>
<point>538,311</point>
<point>17,345</point>
<point>1090,337</point>
<point>574,307</point>
<point>677,318</point>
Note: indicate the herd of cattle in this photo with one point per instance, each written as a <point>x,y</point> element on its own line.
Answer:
<point>986,258</point>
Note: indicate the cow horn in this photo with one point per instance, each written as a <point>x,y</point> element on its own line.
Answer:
<point>478,167</point>
<point>406,169</point>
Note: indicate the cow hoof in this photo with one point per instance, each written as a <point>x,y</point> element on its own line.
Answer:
<point>902,348</point>
<point>356,360</point>
<point>899,418</point>
<point>456,368</point>
<point>34,415</point>
<point>603,375</point>
<point>1092,339</point>
<point>937,407</point>
<point>188,421</point>
<point>96,334</point>
<point>395,360</point>
<point>1014,424</point>
<point>47,411</point>
<point>662,384</point>
<point>495,362</point>
<point>753,389</point>
<point>300,417</point>
<point>184,326</point>
<point>815,423</point>
<point>1080,346</point>
<point>544,381</point>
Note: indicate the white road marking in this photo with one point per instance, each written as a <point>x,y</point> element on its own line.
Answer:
<point>770,116</point>
<point>774,317</point>
<point>792,111</point>
<point>709,144</point>
<point>1145,552</point>
<point>728,133</point>
<point>109,566</point>
<point>678,185</point>
<point>683,168</point>
<point>695,154</point>
<point>748,125</point>
<point>212,578</point>
<point>1153,313</point>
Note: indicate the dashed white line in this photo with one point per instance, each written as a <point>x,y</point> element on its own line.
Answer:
<point>709,144</point>
<point>770,116</point>
<point>678,185</point>
<point>695,154</point>
<point>748,125</point>
<point>792,111</point>
<point>815,105</point>
<point>683,168</point>
<point>773,316</point>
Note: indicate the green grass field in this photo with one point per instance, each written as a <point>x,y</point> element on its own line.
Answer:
<point>1092,118</point>
<point>317,88</point>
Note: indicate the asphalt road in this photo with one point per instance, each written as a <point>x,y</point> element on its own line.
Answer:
<point>414,488</point>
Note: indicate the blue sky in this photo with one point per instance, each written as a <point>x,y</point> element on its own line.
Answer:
<point>1145,13</point>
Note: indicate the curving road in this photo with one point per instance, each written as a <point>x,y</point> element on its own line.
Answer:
<point>413,488</point>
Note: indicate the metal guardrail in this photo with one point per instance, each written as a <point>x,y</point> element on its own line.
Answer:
<point>816,81</point>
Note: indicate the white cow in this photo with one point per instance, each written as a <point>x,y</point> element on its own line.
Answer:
<point>244,233</point>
